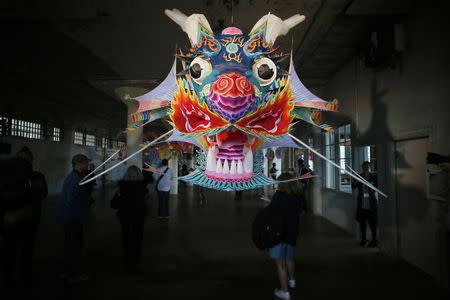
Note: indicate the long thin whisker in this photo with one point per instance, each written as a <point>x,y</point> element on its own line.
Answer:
<point>336,165</point>
<point>128,158</point>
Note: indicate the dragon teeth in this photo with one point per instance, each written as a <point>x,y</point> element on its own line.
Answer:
<point>226,167</point>
<point>240,167</point>
<point>219,166</point>
<point>232,166</point>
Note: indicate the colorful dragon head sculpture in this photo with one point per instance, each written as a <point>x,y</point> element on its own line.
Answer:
<point>232,99</point>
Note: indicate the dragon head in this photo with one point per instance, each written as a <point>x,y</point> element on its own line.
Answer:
<point>232,93</point>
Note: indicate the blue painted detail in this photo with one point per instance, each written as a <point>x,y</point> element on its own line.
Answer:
<point>232,48</point>
<point>199,178</point>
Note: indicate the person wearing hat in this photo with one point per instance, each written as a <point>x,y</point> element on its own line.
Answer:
<point>73,214</point>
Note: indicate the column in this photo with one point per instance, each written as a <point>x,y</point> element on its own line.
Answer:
<point>285,160</point>
<point>173,164</point>
<point>134,138</point>
<point>190,163</point>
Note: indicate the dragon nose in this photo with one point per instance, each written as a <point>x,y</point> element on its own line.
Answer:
<point>232,96</point>
<point>234,75</point>
<point>233,84</point>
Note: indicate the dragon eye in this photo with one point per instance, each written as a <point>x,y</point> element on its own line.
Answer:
<point>199,69</point>
<point>265,70</point>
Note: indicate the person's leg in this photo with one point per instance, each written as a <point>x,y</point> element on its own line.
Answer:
<point>9,259</point>
<point>73,247</point>
<point>362,227</point>
<point>373,222</point>
<point>125,226</point>
<point>448,255</point>
<point>166,204</point>
<point>291,269</point>
<point>282,274</point>
<point>138,236</point>
<point>26,256</point>
<point>78,246</point>
<point>133,243</point>
<point>161,200</point>
<point>68,249</point>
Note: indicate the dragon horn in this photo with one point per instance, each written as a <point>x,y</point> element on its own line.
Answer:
<point>272,26</point>
<point>192,25</point>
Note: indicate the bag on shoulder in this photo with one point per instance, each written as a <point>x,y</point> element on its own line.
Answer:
<point>267,228</point>
<point>15,191</point>
<point>159,179</point>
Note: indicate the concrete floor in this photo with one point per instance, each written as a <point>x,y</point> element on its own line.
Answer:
<point>205,252</point>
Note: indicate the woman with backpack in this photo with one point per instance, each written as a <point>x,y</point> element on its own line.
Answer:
<point>287,202</point>
<point>131,210</point>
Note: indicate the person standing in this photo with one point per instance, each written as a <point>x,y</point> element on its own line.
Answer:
<point>73,214</point>
<point>289,204</point>
<point>366,206</point>
<point>15,219</point>
<point>132,210</point>
<point>273,171</point>
<point>184,170</point>
<point>39,191</point>
<point>162,185</point>
<point>445,167</point>
<point>90,185</point>
<point>307,183</point>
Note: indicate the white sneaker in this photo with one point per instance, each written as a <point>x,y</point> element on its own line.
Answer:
<point>291,283</point>
<point>282,294</point>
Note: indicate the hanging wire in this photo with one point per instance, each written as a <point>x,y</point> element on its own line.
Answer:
<point>232,21</point>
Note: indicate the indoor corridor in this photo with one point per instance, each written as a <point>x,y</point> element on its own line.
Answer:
<point>205,251</point>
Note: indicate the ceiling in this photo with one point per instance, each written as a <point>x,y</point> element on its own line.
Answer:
<point>100,48</point>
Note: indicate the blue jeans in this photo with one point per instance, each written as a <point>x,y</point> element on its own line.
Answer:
<point>163,201</point>
<point>282,251</point>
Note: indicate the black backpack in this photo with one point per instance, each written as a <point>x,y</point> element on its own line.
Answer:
<point>267,228</point>
<point>15,185</point>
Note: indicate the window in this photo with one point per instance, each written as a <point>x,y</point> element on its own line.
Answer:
<point>105,142</point>
<point>78,138</point>
<point>370,154</point>
<point>330,149</point>
<point>4,126</point>
<point>90,140</point>
<point>26,129</point>
<point>56,134</point>
<point>345,157</point>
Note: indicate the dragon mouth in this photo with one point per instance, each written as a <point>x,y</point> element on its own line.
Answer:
<point>230,156</point>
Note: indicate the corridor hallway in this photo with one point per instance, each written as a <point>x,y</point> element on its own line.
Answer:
<point>204,251</point>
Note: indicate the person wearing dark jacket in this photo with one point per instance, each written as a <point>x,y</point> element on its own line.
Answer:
<point>73,214</point>
<point>287,202</point>
<point>15,219</point>
<point>90,185</point>
<point>39,192</point>
<point>131,210</point>
<point>366,206</point>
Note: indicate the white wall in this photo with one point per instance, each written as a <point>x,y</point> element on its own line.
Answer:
<point>409,101</point>
<point>53,159</point>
